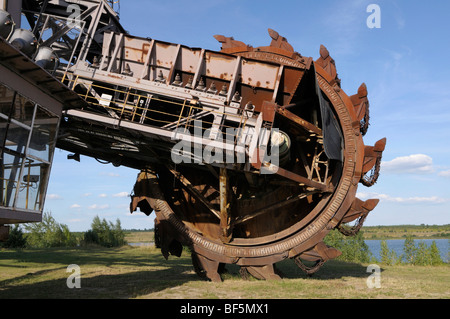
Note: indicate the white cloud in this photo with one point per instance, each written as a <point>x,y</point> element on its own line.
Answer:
<point>95,206</point>
<point>103,195</point>
<point>121,194</point>
<point>412,164</point>
<point>53,196</point>
<point>406,200</point>
<point>75,206</point>
<point>445,173</point>
<point>87,194</point>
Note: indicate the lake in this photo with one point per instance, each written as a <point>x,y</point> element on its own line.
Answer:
<point>375,246</point>
<point>397,246</point>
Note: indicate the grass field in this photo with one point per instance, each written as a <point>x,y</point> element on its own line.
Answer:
<point>140,237</point>
<point>141,272</point>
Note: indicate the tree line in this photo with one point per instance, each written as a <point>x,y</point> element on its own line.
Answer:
<point>49,233</point>
<point>419,254</point>
<point>354,249</point>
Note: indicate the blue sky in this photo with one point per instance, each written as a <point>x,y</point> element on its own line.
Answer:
<point>404,65</point>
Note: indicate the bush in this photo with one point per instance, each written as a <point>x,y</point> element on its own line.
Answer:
<point>409,250</point>
<point>421,255</point>
<point>16,238</point>
<point>90,237</point>
<point>353,249</point>
<point>388,256</point>
<point>428,256</point>
<point>105,233</point>
<point>49,233</point>
<point>435,255</point>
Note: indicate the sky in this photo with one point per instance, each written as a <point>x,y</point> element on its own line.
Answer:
<point>404,64</point>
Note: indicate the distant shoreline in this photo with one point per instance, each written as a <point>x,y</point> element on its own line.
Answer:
<point>369,233</point>
<point>403,231</point>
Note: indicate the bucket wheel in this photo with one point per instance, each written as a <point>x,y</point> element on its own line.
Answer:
<point>229,216</point>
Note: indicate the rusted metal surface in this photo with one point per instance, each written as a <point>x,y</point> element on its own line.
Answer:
<point>247,155</point>
<point>4,233</point>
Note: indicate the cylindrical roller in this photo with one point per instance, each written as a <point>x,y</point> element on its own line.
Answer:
<point>46,58</point>
<point>6,24</point>
<point>24,41</point>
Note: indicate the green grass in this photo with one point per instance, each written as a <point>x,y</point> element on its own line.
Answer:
<point>139,236</point>
<point>143,273</point>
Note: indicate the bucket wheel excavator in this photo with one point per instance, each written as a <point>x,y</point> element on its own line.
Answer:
<point>247,155</point>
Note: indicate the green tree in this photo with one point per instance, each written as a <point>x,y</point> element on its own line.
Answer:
<point>409,250</point>
<point>448,252</point>
<point>422,255</point>
<point>16,238</point>
<point>105,233</point>
<point>354,249</point>
<point>387,256</point>
<point>435,254</point>
<point>49,233</point>
<point>119,235</point>
<point>334,239</point>
<point>90,237</point>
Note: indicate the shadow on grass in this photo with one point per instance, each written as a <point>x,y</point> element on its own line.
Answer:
<point>333,269</point>
<point>114,273</point>
<point>123,273</point>
<point>122,286</point>
<point>125,256</point>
